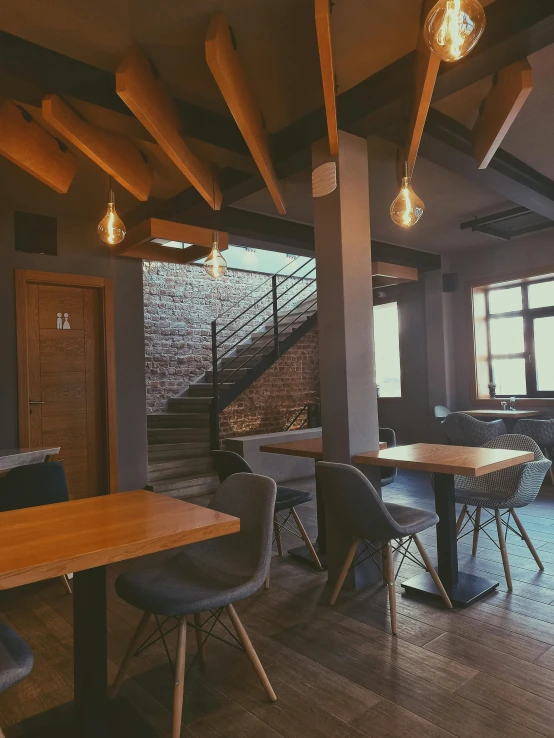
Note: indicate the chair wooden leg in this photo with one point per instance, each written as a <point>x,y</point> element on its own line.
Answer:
<point>384,560</point>
<point>179,687</point>
<point>266,583</point>
<point>389,570</point>
<point>201,638</point>
<point>476,531</point>
<point>344,571</point>
<point>503,550</point>
<point>527,539</point>
<point>461,519</point>
<point>431,569</point>
<point>277,535</point>
<point>2,734</point>
<point>250,652</point>
<point>306,538</point>
<point>135,643</point>
<point>66,586</point>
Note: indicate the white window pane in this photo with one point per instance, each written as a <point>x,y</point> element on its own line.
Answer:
<point>544,353</point>
<point>541,295</point>
<point>387,349</point>
<point>509,376</point>
<point>505,300</point>
<point>507,336</point>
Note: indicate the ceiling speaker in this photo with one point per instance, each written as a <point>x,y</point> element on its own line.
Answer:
<point>324,179</point>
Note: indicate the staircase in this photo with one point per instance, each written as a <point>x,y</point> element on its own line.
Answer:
<point>245,343</point>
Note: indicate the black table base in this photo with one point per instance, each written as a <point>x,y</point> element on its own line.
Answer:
<point>122,719</point>
<point>467,590</point>
<point>463,589</point>
<point>303,553</point>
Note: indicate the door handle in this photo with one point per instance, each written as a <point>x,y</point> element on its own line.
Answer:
<point>36,402</point>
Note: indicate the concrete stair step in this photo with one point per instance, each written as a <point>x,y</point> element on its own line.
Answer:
<point>176,435</point>
<point>178,451</point>
<point>205,389</point>
<point>190,405</point>
<point>224,373</point>
<point>162,470</point>
<point>187,486</point>
<point>178,420</point>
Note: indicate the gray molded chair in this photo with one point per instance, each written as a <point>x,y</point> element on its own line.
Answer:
<point>34,485</point>
<point>441,411</point>
<point>542,432</point>
<point>227,463</point>
<point>499,494</point>
<point>461,429</point>
<point>205,577</point>
<point>16,659</point>
<point>353,504</point>
<point>388,473</point>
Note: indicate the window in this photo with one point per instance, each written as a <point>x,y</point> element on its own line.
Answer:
<point>519,322</point>
<point>387,349</point>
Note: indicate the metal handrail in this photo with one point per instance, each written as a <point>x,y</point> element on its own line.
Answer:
<point>230,307</point>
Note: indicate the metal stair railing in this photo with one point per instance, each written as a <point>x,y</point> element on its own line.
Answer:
<point>288,295</point>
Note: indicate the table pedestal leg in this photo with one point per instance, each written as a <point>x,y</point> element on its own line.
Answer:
<point>462,588</point>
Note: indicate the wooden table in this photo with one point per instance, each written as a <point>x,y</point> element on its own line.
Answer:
<point>310,448</point>
<point>510,416</point>
<point>445,462</point>
<point>83,536</point>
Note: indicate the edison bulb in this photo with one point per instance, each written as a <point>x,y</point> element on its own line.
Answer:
<point>111,228</point>
<point>407,208</point>
<point>215,264</point>
<point>453,27</point>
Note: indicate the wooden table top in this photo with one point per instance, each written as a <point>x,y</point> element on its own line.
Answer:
<point>42,542</point>
<point>502,413</point>
<point>311,448</point>
<point>432,457</point>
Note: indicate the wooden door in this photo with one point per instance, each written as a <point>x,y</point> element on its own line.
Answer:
<point>64,382</point>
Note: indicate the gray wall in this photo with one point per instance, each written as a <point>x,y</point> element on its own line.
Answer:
<point>81,252</point>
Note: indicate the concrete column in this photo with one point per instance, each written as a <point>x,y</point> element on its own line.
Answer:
<point>345,323</point>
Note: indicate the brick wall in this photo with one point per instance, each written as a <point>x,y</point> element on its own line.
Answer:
<point>180,301</point>
<point>272,401</point>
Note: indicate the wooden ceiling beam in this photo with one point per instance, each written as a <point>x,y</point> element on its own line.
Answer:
<point>146,97</point>
<point>227,70</point>
<point>426,69</point>
<point>325,46</point>
<point>511,88</point>
<point>28,145</point>
<point>113,153</point>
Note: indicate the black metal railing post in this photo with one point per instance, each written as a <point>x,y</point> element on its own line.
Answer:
<point>214,407</point>
<point>275,314</point>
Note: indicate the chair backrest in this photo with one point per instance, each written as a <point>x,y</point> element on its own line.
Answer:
<point>227,463</point>
<point>441,411</point>
<point>541,431</point>
<point>520,483</point>
<point>33,485</point>
<point>388,473</point>
<point>353,504</point>
<point>463,430</point>
<point>245,555</point>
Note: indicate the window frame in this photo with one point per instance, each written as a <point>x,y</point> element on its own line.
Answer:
<point>482,314</point>
<point>380,303</point>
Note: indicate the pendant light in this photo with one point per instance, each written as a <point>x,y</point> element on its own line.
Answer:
<point>111,228</point>
<point>453,27</point>
<point>215,265</point>
<point>407,207</point>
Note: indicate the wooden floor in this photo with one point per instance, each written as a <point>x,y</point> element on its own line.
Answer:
<point>487,671</point>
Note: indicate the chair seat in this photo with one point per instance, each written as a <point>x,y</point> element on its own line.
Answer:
<point>412,519</point>
<point>16,658</point>
<point>489,501</point>
<point>181,585</point>
<point>288,497</point>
